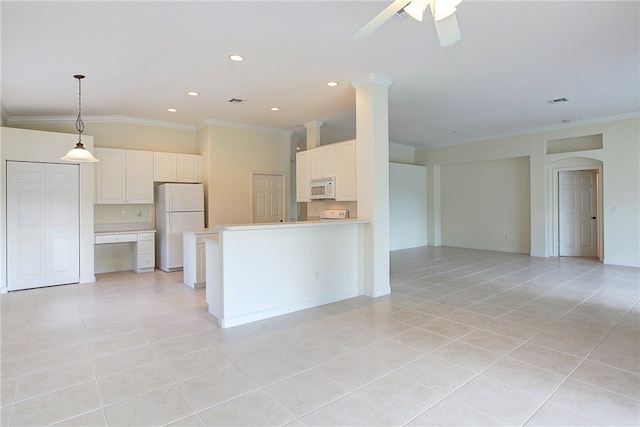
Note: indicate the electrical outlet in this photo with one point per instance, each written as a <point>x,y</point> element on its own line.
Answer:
<point>139,213</point>
<point>123,213</point>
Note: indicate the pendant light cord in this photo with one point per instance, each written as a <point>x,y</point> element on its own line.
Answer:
<point>79,122</point>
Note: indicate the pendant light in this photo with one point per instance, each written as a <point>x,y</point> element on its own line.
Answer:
<point>79,153</point>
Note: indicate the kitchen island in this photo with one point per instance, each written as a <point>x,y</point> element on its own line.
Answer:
<point>257,271</point>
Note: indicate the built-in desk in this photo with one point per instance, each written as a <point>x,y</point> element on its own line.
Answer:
<point>144,257</point>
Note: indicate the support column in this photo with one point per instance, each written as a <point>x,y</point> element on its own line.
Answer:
<point>372,178</point>
<point>313,134</point>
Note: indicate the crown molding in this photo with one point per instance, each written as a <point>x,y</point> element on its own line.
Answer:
<point>372,78</point>
<point>236,125</point>
<point>98,119</point>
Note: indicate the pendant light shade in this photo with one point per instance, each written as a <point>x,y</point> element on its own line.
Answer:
<point>79,153</point>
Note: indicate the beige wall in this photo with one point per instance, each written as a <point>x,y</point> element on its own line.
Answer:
<point>234,154</point>
<point>476,218</point>
<point>132,136</point>
<point>620,159</point>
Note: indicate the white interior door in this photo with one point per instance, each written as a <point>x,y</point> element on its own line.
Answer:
<point>578,207</point>
<point>268,198</point>
<point>43,237</point>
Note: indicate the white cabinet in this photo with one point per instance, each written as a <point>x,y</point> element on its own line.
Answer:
<point>124,176</point>
<point>344,161</point>
<point>139,177</point>
<point>188,168</point>
<point>303,176</point>
<point>337,160</point>
<point>111,185</point>
<point>176,167</point>
<point>194,254</point>
<point>164,167</point>
<point>145,258</point>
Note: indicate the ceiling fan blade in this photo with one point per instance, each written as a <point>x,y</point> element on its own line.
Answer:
<point>380,19</point>
<point>448,30</point>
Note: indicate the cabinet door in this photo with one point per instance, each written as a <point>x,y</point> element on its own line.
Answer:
<point>302,176</point>
<point>164,167</point>
<point>188,168</point>
<point>316,162</point>
<point>111,176</point>
<point>344,156</point>
<point>201,263</point>
<point>139,177</point>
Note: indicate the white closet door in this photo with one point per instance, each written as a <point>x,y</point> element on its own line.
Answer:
<point>42,225</point>
<point>62,222</point>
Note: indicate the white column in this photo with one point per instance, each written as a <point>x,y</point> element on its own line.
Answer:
<point>313,134</point>
<point>372,178</point>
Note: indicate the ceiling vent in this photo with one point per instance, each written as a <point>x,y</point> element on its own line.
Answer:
<point>237,101</point>
<point>401,15</point>
<point>557,101</point>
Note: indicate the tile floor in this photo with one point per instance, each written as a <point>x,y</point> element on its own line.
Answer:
<point>467,337</point>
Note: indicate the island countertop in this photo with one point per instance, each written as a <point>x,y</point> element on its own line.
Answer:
<point>292,224</point>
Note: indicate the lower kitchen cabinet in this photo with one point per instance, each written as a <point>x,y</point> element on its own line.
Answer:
<point>194,253</point>
<point>145,260</point>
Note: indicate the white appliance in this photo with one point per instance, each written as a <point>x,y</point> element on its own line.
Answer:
<point>334,214</point>
<point>179,207</point>
<point>323,188</point>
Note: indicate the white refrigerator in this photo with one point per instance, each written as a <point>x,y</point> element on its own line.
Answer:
<point>179,207</point>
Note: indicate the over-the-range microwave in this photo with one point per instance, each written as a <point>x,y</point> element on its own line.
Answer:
<point>323,188</point>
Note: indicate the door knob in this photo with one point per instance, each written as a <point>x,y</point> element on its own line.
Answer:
<point>593,217</point>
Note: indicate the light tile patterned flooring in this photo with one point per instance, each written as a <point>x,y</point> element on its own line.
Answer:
<point>467,337</point>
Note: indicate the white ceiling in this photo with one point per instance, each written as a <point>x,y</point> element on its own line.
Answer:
<point>141,58</point>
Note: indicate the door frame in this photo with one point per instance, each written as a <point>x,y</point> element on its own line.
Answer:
<point>284,192</point>
<point>556,206</point>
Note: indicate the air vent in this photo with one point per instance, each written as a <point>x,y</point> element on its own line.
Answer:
<point>237,101</point>
<point>557,101</point>
<point>401,15</point>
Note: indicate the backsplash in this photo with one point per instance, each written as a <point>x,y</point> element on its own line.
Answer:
<point>113,214</point>
<point>314,208</point>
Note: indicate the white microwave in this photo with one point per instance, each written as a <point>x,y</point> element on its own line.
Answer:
<point>323,188</point>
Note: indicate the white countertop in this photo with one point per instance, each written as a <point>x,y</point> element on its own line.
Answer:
<point>130,231</point>
<point>198,231</point>
<point>294,224</point>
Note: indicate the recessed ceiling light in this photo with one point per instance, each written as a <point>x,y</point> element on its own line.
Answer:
<point>193,93</point>
<point>275,108</point>
<point>332,84</point>
<point>172,110</point>
<point>236,58</point>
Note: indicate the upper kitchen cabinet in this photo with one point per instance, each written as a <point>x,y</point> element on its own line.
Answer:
<point>124,176</point>
<point>337,160</point>
<point>303,176</point>
<point>344,161</point>
<point>188,168</point>
<point>176,167</point>
<point>139,177</point>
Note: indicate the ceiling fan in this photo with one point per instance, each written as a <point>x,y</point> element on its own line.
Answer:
<point>443,12</point>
